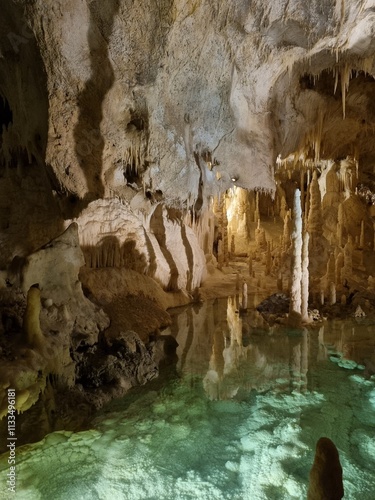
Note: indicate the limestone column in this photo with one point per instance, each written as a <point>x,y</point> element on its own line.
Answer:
<point>295,295</point>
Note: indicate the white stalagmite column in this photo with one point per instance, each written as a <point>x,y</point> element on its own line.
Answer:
<point>295,293</point>
<point>305,278</point>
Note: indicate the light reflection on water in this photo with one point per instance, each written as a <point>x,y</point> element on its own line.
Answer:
<point>239,419</point>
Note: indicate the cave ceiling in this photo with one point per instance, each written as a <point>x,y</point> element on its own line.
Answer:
<point>183,98</point>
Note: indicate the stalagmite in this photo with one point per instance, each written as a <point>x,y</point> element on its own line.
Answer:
<point>260,238</point>
<point>232,246</point>
<point>283,207</point>
<point>305,278</point>
<point>244,296</point>
<point>295,295</point>
<point>332,293</point>
<point>225,234</point>
<point>286,238</point>
<point>31,321</point>
<point>362,235</point>
<point>325,480</point>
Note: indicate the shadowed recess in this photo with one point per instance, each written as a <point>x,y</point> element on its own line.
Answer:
<point>89,142</point>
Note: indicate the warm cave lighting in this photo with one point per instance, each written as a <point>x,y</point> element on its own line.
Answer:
<point>187,250</point>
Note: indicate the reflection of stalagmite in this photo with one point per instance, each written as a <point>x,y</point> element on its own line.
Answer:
<point>326,474</point>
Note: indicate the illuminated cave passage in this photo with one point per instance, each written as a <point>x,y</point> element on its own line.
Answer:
<point>187,243</point>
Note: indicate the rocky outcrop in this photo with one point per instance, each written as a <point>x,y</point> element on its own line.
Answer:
<point>37,338</point>
<point>326,473</point>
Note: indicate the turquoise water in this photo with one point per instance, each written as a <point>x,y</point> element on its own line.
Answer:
<point>237,418</point>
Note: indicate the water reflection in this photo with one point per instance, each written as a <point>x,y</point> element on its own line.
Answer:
<point>236,351</point>
<point>239,422</point>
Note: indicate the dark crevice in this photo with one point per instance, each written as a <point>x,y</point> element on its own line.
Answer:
<point>6,115</point>
<point>157,227</point>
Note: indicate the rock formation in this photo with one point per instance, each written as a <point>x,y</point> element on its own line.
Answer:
<point>326,473</point>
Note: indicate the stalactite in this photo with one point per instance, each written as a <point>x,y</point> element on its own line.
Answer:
<point>318,135</point>
<point>314,221</point>
<point>345,79</point>
<point>268,259</point>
